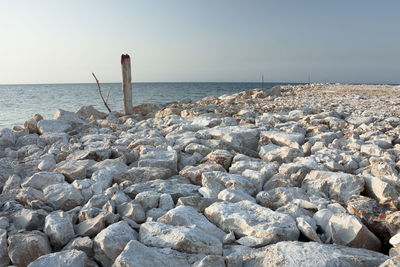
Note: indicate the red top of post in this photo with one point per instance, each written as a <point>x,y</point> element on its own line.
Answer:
<point>123,57</point>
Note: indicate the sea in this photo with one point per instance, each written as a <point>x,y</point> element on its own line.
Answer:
<point>19,103</point>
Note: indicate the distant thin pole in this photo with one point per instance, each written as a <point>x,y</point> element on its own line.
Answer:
<point>309,79</point>
<point>262,81</point>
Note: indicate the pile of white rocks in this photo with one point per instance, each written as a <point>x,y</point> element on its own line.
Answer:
<point>294,176</point>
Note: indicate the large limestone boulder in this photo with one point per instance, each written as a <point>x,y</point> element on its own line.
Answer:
<point>350,231</point>
<point>220,156</point>
<point>111,241</point>
<point>335,185</point>
<point>280,196</point>
<point>218,181</point>
<point>246,218</point>
<point>282,138</point>
<point>28,219</point>
<point>84,244</point>
<point>7,137</point>
<point>160,159</point>
<point>53,126</point>
<point>137,254</point>
<point>62,196</point>
<point>240,137</point>
<point>91,226</point>
<point>73,169</point>
<point>175,187</point>
<point>380,190</point>
<point>313,254</point>
<point>72,118</point>
<point>58,227</point>
<point>143,174</point>
<point>188,239</point>
<point>25,247</point>
<point>89,111</point>
<point>66,258</point>
<point>193,173</point>
<point>42,179</point>
<point>4,259</point>
<point>187,216</point>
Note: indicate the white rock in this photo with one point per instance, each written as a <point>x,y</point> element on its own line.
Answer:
<point>110,242</point>
<point>297,253</point>
<point>53,126</point>
<point>58,227</point>
<point>193,173</point>
<point>280,196</point>
<point>88,111</point>
<point>166,202</point>
<point>335,185</point>
<point>395,240</point>
<point>218,181</point>
<point>238,136</point>
<point>133,211</point>
<point>137,254</point>
<point>188,216</point>
<point>181,238</point>
<point>62,196</point>
<point>348,230</point>
<point>13,182</point>
<point>91,226</point>
<point>66,258</point>
<point>220,156</point>
<point>84,244</point>
<point>47,164</point>
<point>72,118</point>
<point>143,174</point>
<point>42,179</point>
<point>4,259</point>
<point>25,247</point>
<point>148,199</point>
<point>307,229</point>
<point>234,196</point>
<point>7,137</point>
<point>245,218</point>
<point>282,138</point>
<point>159,158</point>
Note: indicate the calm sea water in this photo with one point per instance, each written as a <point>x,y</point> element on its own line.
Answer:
<point>19,102</point>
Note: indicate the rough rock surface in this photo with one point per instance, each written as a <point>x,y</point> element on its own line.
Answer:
<point>62,259</point>
<point>298,254</point>
<point>220,180</point>
<point>246,218</point>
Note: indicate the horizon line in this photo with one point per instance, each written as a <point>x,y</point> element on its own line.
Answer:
<point>269,82</point>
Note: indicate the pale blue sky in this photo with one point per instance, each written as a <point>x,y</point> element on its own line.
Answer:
<point>63,41</point>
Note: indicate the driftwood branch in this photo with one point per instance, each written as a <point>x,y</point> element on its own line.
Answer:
<point>101,95</point>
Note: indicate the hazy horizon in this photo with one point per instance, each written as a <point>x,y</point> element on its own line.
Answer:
<point>51,42</point>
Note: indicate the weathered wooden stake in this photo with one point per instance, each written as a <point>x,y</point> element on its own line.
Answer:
<point>127,108</point>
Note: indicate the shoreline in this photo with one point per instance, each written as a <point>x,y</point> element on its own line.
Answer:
<point>252,178</point>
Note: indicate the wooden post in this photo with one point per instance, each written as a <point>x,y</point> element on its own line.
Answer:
<point>127,108</point>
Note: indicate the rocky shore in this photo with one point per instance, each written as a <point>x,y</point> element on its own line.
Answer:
<point>304,175</point>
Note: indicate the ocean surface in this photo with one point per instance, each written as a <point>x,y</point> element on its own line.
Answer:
<point>20,102</point>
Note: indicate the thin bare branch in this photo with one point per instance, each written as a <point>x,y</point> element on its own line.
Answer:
<point>101,95</point>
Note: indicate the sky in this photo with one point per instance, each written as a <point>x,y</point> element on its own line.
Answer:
<point>63,41</point>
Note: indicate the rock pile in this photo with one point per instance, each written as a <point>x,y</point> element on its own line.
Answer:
<point>296,176</point>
